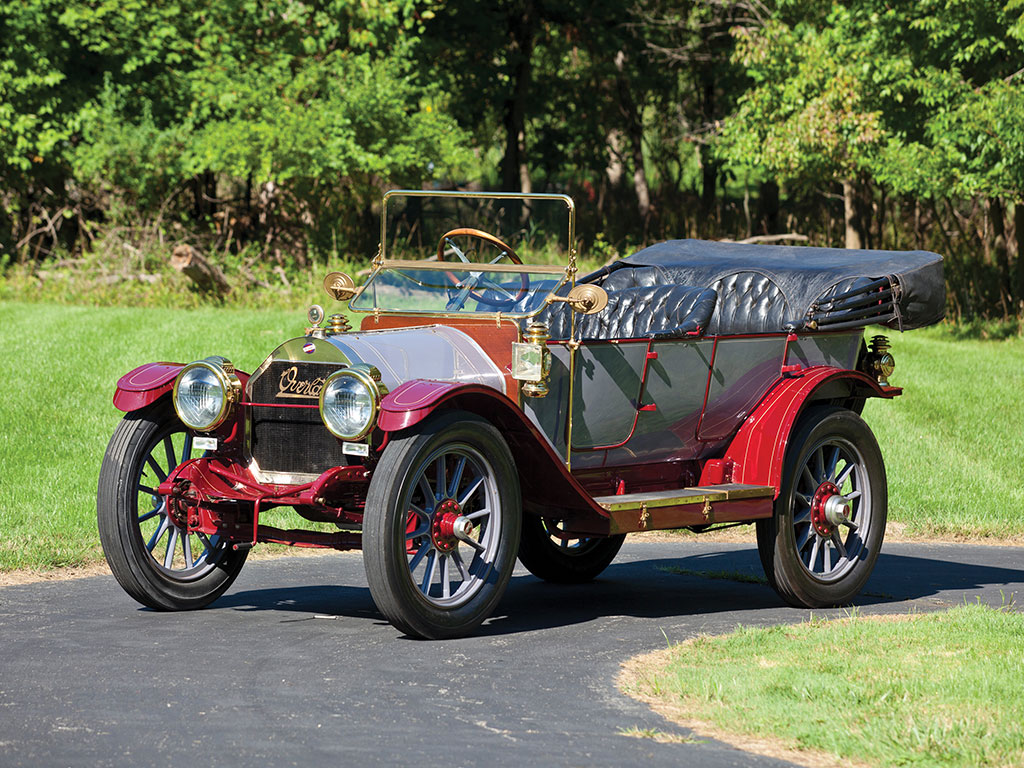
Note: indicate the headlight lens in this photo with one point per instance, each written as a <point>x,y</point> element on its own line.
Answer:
<point>348,403</point>
<point>203,395</point>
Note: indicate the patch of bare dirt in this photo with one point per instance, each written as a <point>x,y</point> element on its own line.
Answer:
<point>34,576</point>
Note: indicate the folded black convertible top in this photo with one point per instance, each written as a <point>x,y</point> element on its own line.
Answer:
<point>764,288</point>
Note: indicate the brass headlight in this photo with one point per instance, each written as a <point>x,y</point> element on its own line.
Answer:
<point>350,401</point>
<point>205,392</point>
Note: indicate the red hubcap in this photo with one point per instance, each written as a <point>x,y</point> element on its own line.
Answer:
<point>819,521</point>
<point>442,529</point>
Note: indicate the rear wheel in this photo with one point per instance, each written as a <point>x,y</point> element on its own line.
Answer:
<point>820,546</point>
<point>441,526</point>
<point>549,554</point>
<point>153,559</point>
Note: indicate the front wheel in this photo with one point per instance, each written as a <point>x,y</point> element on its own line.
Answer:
<point>820,546</point>
<point>548,553</point>
<point>155,560</point>
<point>441,526</point>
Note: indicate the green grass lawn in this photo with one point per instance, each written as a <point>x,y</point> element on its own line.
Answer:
<point>56,384</point>
<point>938,690</point>
<point>951,443</point>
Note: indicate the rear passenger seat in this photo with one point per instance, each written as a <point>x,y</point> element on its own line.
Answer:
<point>748,301</point>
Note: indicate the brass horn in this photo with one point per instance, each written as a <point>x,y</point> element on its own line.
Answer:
<point>340,286</point>
<point>587,299</point>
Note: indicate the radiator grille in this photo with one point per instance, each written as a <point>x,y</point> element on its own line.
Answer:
<point>291,440</point>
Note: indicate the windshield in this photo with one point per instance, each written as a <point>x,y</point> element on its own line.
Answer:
<point>412,287</point>
<point>446,252</point>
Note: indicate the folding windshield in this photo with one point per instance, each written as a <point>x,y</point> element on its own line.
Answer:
<point>465,252</point>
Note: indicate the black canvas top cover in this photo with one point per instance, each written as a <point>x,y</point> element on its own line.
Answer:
<point>838,287</point>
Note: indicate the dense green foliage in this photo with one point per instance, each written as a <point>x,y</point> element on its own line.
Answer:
<point>264,131</point>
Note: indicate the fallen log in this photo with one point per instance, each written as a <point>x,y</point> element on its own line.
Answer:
<point>205,275</point>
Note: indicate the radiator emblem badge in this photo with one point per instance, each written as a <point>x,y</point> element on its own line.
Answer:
<point>309,347</point>
<point>290,385</point>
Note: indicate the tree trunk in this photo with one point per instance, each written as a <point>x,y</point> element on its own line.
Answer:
<point>1018,233</point>
<point>205,275</point>
<point>634,122</point>
<point>1001,252</point>
<point>514,171</point>
<point>769,205</point>
<point>709,167</point>
<point>616,168</point>
<point>856,214</point>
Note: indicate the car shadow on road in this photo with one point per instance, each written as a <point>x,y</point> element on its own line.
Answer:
<point>696,584</point>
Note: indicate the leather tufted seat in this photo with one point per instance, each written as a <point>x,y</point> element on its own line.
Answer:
<point>651,311</point>
<point>748,302</point>
<point>642,277</point>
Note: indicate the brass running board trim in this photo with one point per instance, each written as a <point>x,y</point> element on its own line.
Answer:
<point>677,497</point>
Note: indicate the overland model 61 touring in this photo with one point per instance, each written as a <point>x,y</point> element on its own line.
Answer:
<point>491,407</point>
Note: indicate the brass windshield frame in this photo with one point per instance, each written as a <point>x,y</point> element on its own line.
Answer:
<point>381,261</point>
<point>570,268</point>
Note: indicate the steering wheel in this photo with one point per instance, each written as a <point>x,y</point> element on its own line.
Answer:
<point>470,287</point>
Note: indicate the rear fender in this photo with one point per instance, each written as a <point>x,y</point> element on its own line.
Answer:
<point>756,454</point>
<point>144,385</point>
<point>543,478</point>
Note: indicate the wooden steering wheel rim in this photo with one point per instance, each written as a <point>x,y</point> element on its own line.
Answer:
<point>485,236</point>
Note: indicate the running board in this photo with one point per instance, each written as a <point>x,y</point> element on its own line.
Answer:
<point>684,507</point>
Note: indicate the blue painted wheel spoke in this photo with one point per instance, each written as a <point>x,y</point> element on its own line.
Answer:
<point>441,478</point>
<point>838,542</point>
<point>845,474</point>
<point>453,486</point>
<point>832,465</point>
<point>172,545</point>
<point>459,565</point>
<point>806,475</point>
<point>473,488</point>
<point>169,451</point>
<point>423,550</point>
<point>156,468</point>
<point>814,553</point>
<point>819,465</point>
<point>149,515</point>
<point>809,534</point>
<point>428,493</point>
<point>165,523</point>
<point>446,584</point>
<point>207,546</point>
<point>428,573</point>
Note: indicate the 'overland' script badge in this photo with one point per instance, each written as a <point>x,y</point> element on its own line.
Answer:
<point>290,385</point>
<point>309,347</point>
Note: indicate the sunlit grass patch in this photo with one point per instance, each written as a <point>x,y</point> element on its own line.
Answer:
<point>939,689</point>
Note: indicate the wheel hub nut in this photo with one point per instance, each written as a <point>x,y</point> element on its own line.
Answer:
<point>837,509</point>
<point>462,527</point>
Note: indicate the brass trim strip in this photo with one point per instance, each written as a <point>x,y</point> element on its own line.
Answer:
<point>463,266</point>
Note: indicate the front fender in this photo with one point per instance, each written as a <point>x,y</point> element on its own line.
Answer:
<point>543,478</point>
<point>755,456</point>
<point>144,385</point>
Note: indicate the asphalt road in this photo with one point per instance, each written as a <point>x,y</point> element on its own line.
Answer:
<point>293,666</point>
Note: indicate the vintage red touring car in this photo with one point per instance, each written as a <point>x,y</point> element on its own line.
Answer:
<point>491,407</point>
